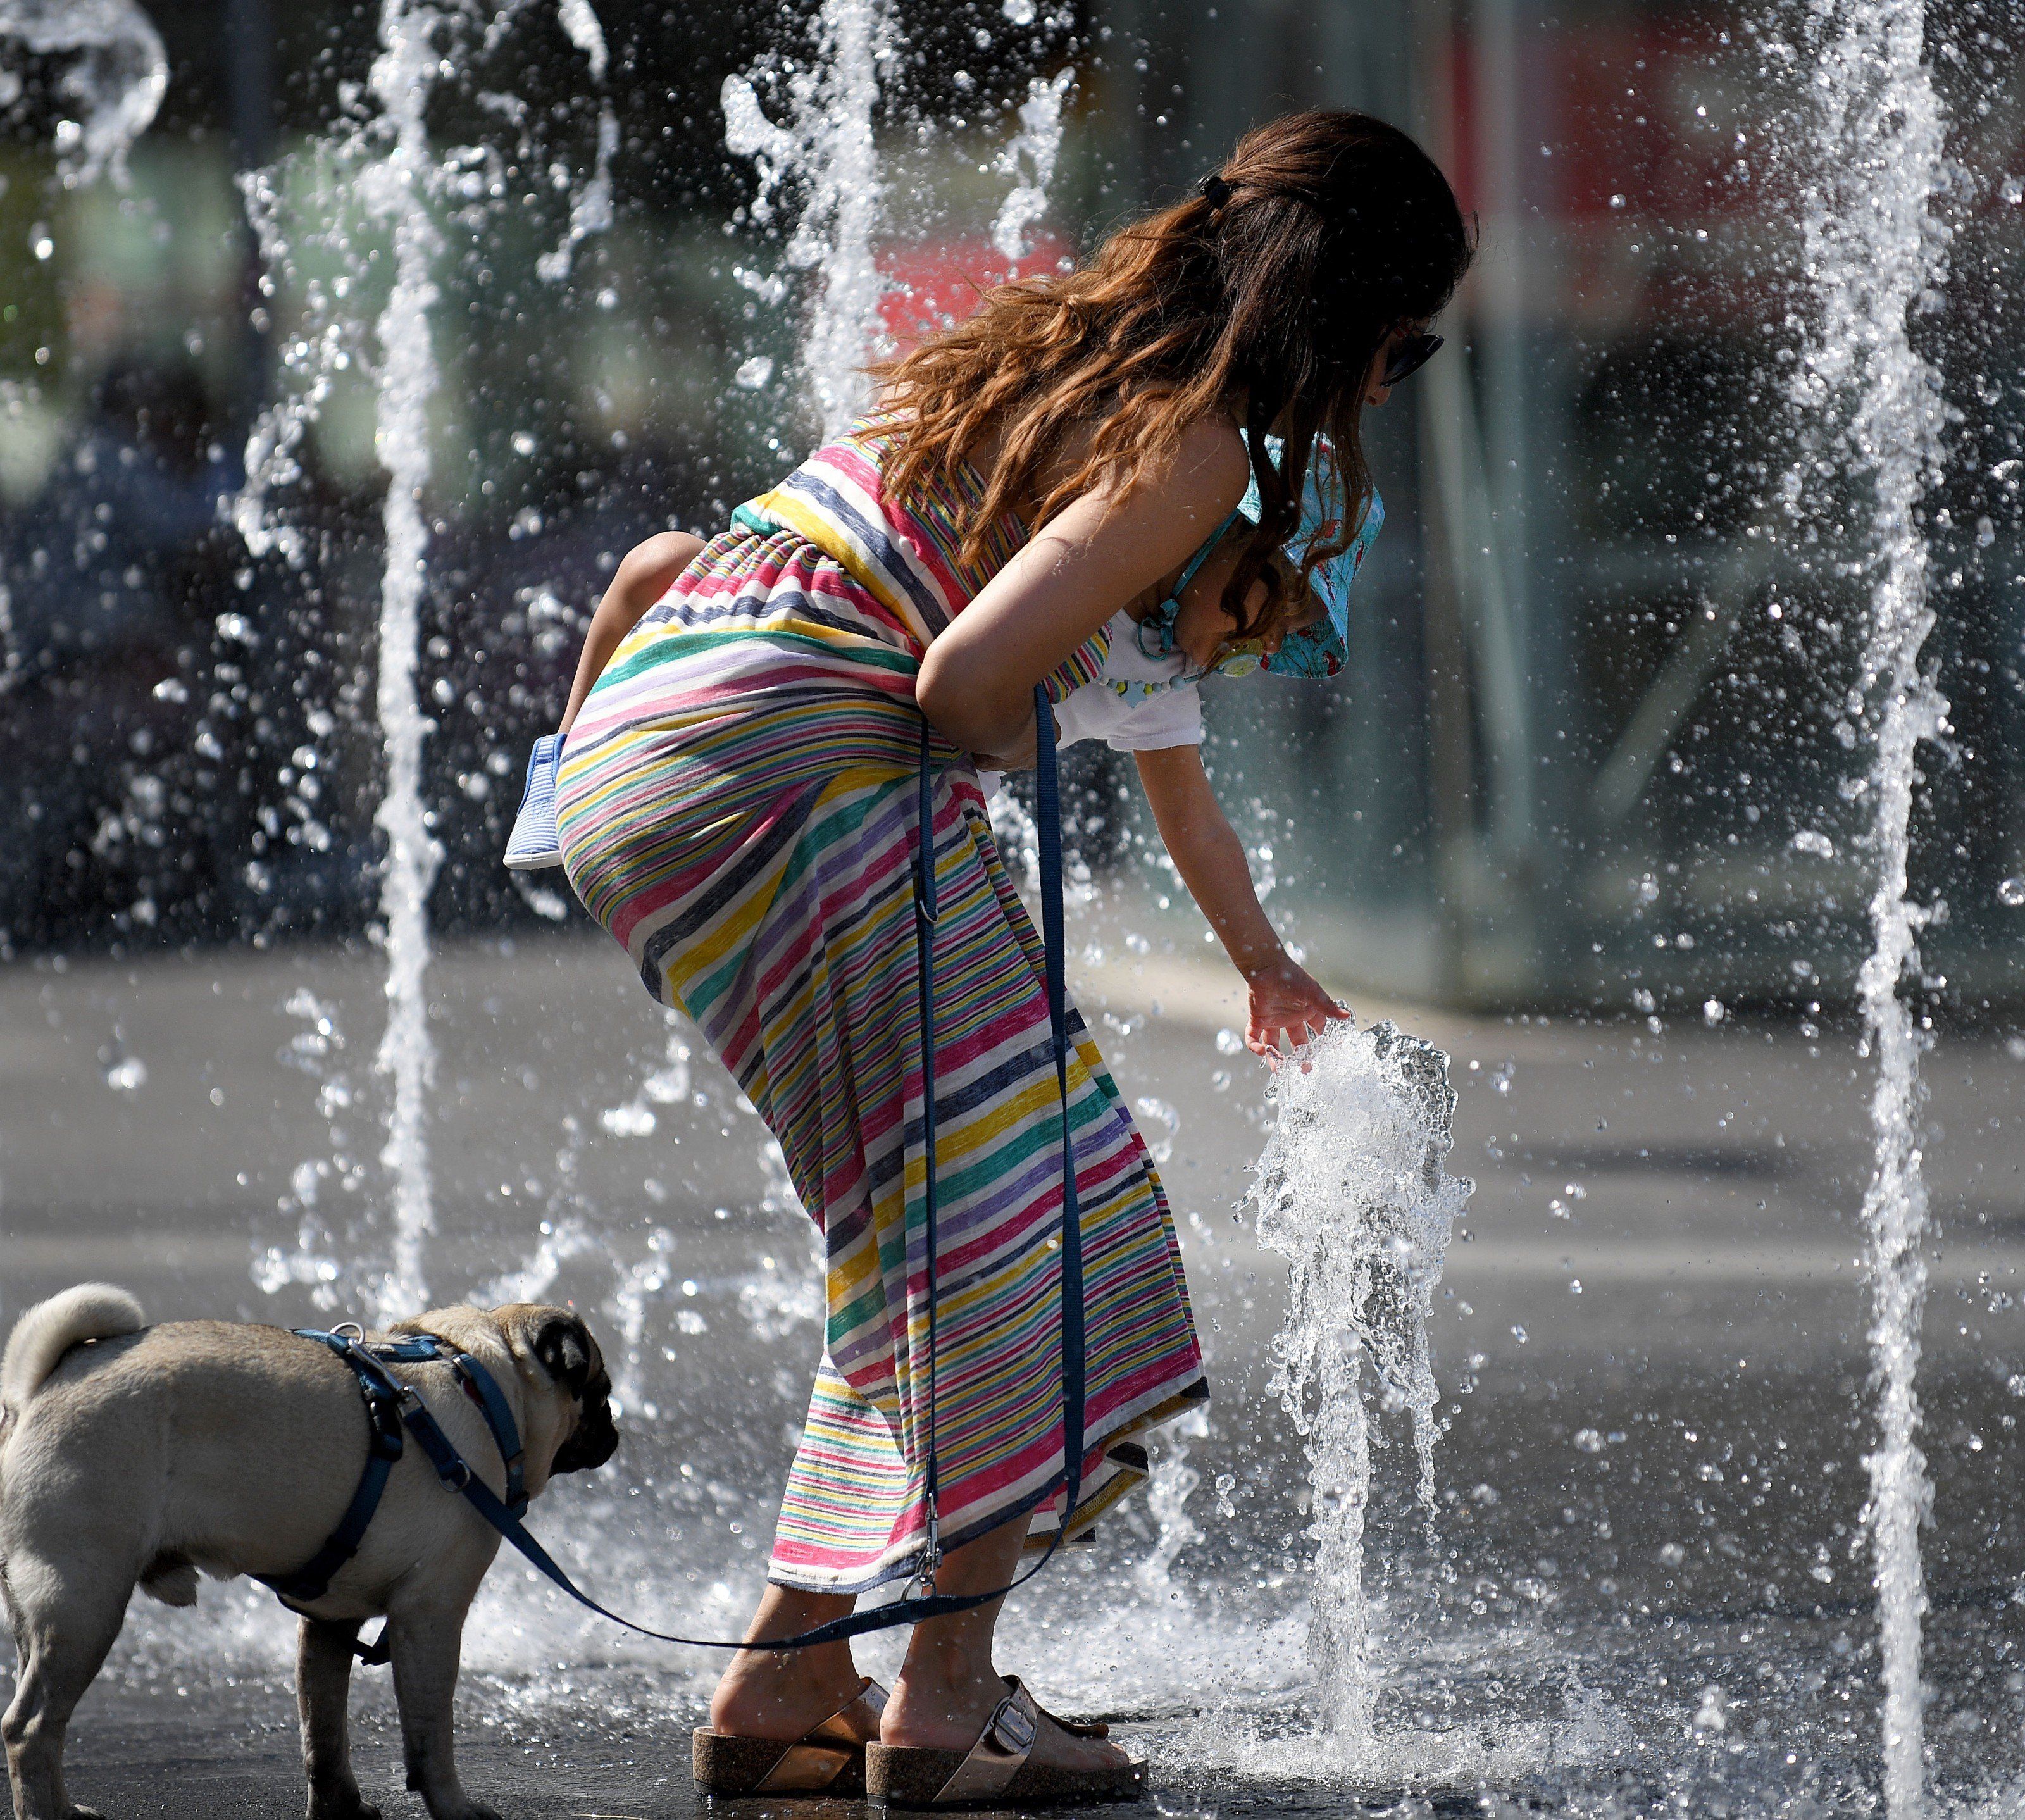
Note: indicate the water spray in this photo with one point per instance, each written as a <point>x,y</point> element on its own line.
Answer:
<point>1877,253</point>
<point>396,191</point>
<point>1353,1194</point>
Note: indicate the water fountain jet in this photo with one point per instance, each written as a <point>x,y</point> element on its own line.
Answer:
<point>1877,253</point>
<point>827,145</point>
<point>397,191</point>
<point>1352,1192</point>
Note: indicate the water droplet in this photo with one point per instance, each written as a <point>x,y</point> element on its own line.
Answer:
<point>1589,1441</point>
<point>1159,1113</point>
<point>631,1120</point>
<point>2012,891</point>
<point>754,373</point>
<point>1712,1012</point>
<point>126,1074</point>
<point>1228,1042</point>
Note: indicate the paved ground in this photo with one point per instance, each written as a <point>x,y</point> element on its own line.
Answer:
<point>1651,1483</point>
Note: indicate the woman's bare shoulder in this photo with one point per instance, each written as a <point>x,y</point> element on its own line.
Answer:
<point>1211,453</point>
<point>1207,470</point>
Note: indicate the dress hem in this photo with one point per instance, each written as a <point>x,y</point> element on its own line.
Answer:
<point>1107,1492</point>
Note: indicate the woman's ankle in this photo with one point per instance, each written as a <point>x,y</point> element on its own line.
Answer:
<point>942,1697</point>
<point>766,1693</point>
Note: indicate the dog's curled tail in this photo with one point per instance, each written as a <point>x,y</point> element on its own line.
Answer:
<point>50,1329</point>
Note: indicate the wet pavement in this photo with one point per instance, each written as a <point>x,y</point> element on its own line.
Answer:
<point>1645,1591</point>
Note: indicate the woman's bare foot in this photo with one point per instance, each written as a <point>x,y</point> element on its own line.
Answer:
<point>943,1704</point>
<point>784,1694</point>
<point>947,1688</point>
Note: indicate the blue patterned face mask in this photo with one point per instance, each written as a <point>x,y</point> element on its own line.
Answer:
<point>1319,650</point>
<point>1316,650</point>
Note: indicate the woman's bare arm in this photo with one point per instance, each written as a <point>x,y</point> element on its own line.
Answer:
<point>1284,997</point>
<point>649,570</point>
<point>977,684</point>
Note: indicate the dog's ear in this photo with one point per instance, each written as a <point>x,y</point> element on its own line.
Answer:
<point>562,1343</point>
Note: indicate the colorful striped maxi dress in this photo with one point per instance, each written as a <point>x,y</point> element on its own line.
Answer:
<point>737,804</point>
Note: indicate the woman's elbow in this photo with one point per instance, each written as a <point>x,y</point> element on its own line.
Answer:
<point>954,695</point>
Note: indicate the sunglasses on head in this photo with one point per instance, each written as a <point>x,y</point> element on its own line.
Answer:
<point>1409,354</point>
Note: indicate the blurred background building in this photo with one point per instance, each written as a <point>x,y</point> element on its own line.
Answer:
<point>1597,747</point>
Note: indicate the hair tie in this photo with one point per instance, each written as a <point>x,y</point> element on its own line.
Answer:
<point>1215,192</point>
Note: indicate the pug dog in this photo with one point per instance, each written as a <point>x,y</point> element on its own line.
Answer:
<point>136,1455</point>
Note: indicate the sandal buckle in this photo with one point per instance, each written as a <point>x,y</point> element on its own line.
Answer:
<point>1013,1725</point>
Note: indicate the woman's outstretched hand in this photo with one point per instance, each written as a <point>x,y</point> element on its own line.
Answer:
<point>1286,1000</point>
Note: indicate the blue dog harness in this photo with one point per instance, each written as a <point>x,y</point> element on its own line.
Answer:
<point>391,1406</point>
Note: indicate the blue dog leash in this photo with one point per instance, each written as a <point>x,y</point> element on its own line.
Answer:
<point>392,1405</point>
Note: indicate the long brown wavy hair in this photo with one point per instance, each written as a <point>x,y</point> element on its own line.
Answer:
<point>1324,233</point>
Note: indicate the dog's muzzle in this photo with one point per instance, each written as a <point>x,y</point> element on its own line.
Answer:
<point>591,1442</point>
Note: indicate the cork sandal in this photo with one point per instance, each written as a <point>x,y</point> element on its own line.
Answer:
<point>996,1771</point>
<point>828,1758</point>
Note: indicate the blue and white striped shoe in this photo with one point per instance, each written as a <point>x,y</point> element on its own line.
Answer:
<point>533,844</point>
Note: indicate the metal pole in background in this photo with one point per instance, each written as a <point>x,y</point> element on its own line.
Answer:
<point>249,52</point>
<point>1477,652</point>
<point>1451,804</point>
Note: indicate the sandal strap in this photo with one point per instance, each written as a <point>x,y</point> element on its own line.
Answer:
<point>804,1769</point>
<point>821,1753</point>
<point>1001,1747</point>
<point>832,1730</point>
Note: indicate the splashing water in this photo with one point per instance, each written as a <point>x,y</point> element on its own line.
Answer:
<point>317,1049</point>
<point>118,83</point>
<point>1876,253</point>
<point>826,146</point>
<point>1028,158</point>
<point>590,204</point>
<point>1352,1192</point>
<point>667,1086</point>
<point>1173,1481</point>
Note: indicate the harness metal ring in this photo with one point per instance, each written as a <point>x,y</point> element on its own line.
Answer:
<point>348,1329</point>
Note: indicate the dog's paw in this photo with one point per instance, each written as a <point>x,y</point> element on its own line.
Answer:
<point>341,1805</point>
